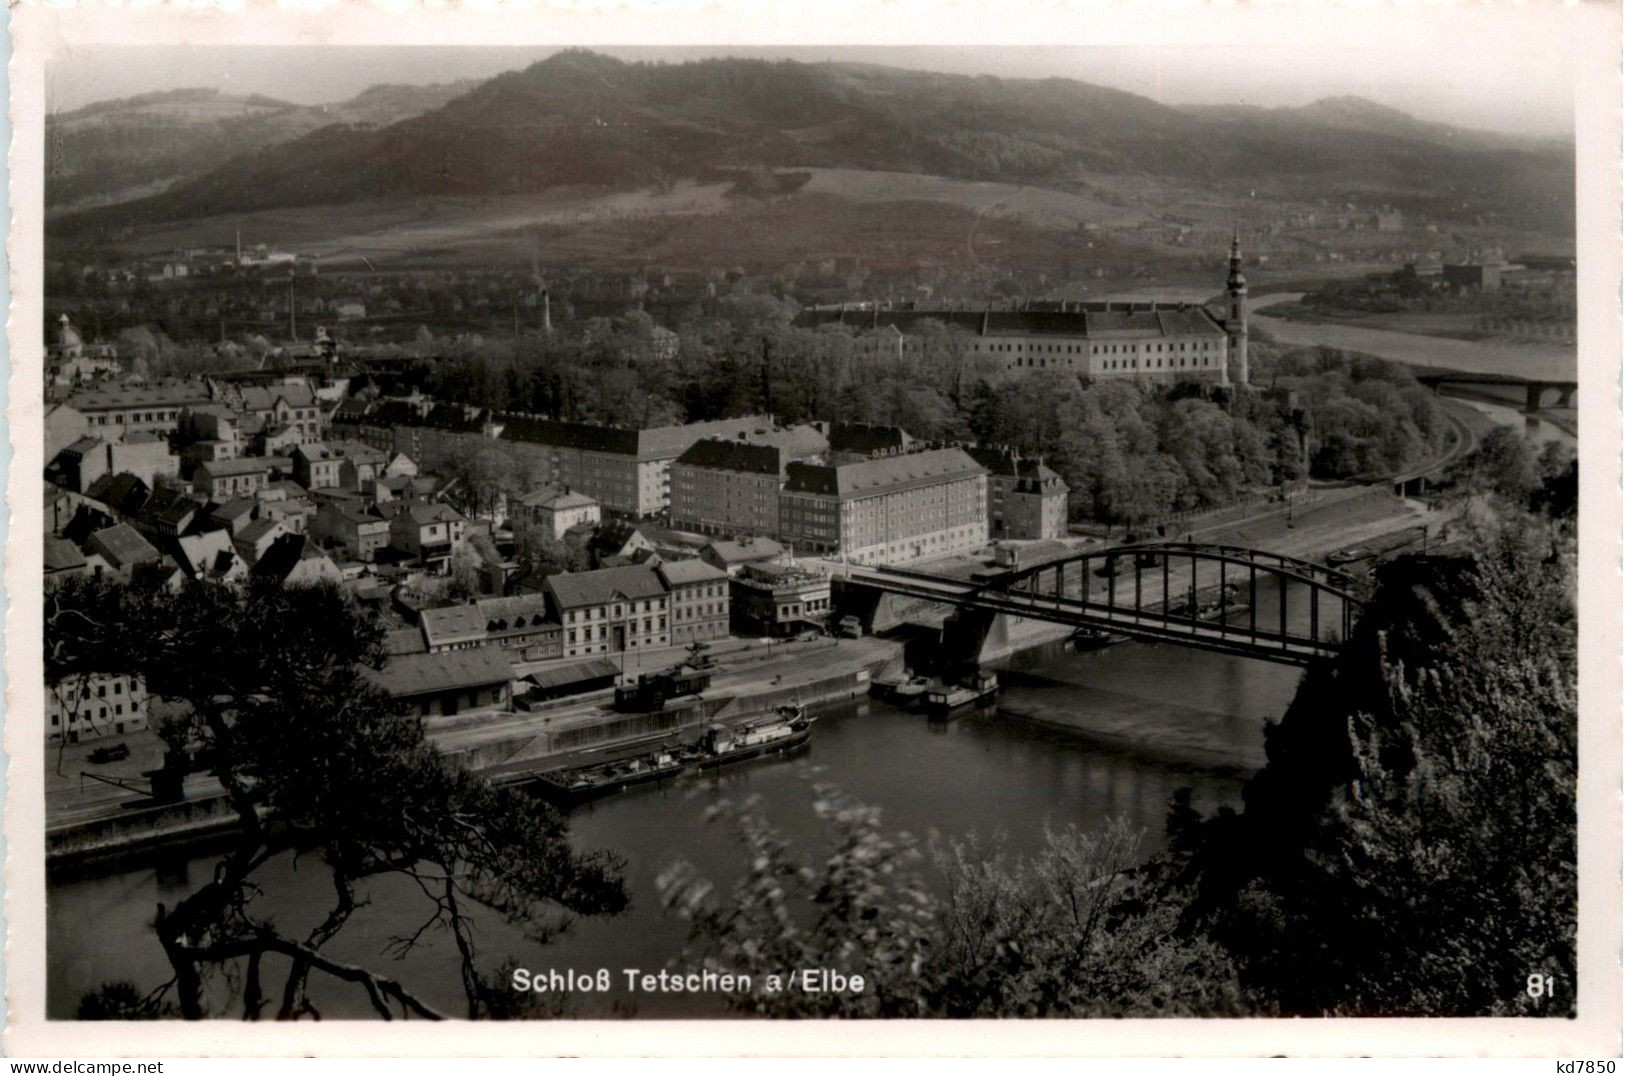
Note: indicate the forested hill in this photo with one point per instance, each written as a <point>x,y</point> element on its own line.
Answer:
<point>113,151</point>
<point>580,118</point>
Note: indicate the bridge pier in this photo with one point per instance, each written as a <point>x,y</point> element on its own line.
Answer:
<point>1531,399</point>
<point>1565,396</point>
<point>967,634</point>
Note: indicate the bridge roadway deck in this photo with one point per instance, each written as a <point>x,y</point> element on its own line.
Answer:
<point>1079,612</point>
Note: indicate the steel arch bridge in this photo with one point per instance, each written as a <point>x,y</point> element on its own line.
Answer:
<point>1207,596</point>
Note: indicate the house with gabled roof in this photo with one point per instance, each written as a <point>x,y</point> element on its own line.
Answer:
<point>122,547</point>
<point>210,557</point>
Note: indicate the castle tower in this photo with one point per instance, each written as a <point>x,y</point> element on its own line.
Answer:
<point>1235,315</point>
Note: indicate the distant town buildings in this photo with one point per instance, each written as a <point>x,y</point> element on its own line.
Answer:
<point>1156,341</point>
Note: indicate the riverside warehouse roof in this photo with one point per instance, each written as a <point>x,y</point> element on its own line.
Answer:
<point>408,675</point>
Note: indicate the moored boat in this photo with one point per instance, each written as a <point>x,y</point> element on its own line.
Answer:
<point>581,783</point>
<point>788,729</point>
<point>1096,639</point>
<point>904,690</point>
<point>947,699</point>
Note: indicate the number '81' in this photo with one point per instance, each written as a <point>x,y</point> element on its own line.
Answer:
<point>1539,986</point>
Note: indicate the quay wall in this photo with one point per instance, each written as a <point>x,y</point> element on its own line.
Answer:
<point>151,827</point>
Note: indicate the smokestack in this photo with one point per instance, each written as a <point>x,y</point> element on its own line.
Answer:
<point>239,246</point>
<point>547,312</point>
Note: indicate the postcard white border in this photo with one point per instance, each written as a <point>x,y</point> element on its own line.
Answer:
<point>39,32</point>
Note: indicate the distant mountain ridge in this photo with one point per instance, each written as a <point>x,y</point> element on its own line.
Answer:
<point>102,152</point>
<point>1349,112</point>
<point>583,119</point>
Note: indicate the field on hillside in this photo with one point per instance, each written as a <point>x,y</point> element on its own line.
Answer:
<point>889,221</point>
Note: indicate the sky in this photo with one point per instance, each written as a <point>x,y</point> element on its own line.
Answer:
<point>1505,68</point>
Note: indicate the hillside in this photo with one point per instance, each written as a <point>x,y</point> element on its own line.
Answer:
<point>114,151</point>
<point>586,120</point>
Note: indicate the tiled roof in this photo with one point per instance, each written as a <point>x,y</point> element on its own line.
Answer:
<point>504,613</point>
<point>109,399</point>
<point>885,474</point>
<point>1111,321</point>
<point>404,641</point>
<point>421,512</point>
<point>62,555</point>
<point>123,492</point>
<point>258,529</point>
<point>748,549</point>
<point>234,509</point>
<point>316,451</point>
<point>573,672</point>
<point>358,452</point>
<point>124,545</point>
<point>679,573</point>
<point>452,670</point>
<point>233,468</point>
<point>169,505</point>
<point>866,438</point>
<point>573,590</point>
<point>451,624</point>
<point>715,454</point>
<point>661,442</point>
<point>208,553</point>
<point>264,398</point>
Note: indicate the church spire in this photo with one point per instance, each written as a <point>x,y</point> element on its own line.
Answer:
<point>1235,319</point>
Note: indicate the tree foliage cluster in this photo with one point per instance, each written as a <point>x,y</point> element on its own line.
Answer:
<point>1130,451</point>
<point>313,757</point>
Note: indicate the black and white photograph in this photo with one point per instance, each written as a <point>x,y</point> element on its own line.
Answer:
<point>730,534</point>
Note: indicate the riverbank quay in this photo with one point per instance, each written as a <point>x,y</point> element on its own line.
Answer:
<point>89,818</point>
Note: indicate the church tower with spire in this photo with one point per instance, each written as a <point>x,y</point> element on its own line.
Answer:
<point>1235,315</point>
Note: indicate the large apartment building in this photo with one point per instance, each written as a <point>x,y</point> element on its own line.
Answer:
<point>889,509</point>
<point>1138,339</point>
<point>627,471</point>
<point>732,488</point>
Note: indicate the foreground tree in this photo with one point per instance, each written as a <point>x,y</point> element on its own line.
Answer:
<point>1410,847</point>
<point>312,756</point>
<point>1072,931</point>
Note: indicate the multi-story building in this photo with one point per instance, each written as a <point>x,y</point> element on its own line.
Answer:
<point>292,404</point>
<point>523,623</point>
<point>427,530</point>
<point>1025,499</point>
<point>359,529</point>
<point>98,704</point>
<point>778,599</point>
<point>610,610</point>
<point>890,509</point>
<point>222,479</point>
<point>78,466</point>
<point>627,471</point>
<point>1158,341</point>
<point>699,600</point>
<point>731,487</point>
<point>316,466</point>
<point>116,410</point>
<point>555,511</point>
